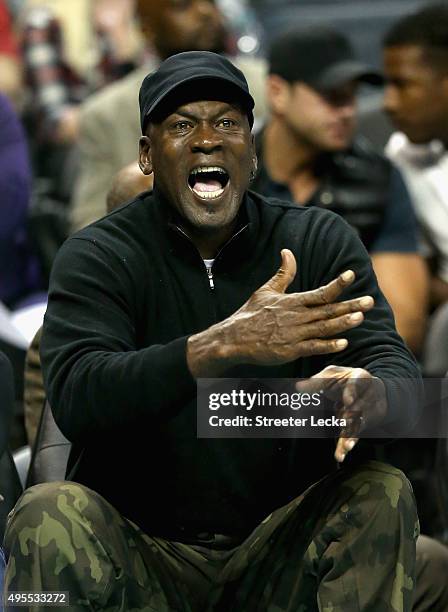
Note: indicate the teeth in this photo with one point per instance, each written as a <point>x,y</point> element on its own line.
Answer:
<point>209,195</point>
<point>208,169</point>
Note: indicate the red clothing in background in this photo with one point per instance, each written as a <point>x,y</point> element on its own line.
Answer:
<point>8,43</point>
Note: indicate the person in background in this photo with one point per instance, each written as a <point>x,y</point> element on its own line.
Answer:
<point>128,183</point>
<point>20,276</point>
<point>109,125</point>
<point>416,100</point>
<point>308,153</point>
<point>70,49</point>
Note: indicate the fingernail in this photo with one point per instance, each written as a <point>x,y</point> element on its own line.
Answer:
<point>356,316</point>
<point>366,301</point>
<point>348,275</point>
<point>341,343</point>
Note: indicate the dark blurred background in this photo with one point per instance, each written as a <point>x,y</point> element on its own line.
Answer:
<point>364,21</point>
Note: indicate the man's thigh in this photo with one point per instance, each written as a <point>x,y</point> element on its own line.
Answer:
<point>347,543</point>
<point>65,537</point>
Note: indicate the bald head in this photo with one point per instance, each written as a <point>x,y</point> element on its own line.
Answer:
<point>129,182</point>
<point>171,26</point>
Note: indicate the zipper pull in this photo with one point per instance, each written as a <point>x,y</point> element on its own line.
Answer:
<point>210,278</point>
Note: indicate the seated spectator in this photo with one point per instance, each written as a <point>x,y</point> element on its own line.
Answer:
<point>416,99</point>
<point>71,48</point>
<point>134,319</point>
<point>20,278</point>
<point>432,558</point>
<point>109,126</point>
<point>308,153</point>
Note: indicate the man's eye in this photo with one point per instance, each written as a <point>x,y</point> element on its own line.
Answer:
<point>227,123</point>
<point>181,126</point>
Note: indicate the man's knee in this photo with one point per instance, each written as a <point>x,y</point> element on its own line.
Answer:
<point>51,510</point>
<point>383,481</point>
<point>383,492</point>
<point>62,527</point>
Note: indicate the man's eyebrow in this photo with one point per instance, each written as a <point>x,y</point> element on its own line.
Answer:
<point>228,106</point>
<point>185,114</point>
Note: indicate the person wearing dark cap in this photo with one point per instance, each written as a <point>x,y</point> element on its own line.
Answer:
<point>308,153</point>
<point>184,283</point>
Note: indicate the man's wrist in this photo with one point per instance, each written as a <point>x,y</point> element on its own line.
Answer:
<point>209,353</point>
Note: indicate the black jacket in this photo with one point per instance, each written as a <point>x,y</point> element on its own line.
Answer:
<point>125,294</point>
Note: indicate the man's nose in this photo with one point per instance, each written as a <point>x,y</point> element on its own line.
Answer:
<point>206,140</point>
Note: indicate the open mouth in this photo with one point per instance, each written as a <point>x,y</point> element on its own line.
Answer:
<point>208,182</point>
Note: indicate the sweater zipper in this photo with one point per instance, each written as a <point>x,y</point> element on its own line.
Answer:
<point>209,271</point>
<point>210,278</point>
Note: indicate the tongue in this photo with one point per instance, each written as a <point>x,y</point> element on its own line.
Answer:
<point>207,185</point>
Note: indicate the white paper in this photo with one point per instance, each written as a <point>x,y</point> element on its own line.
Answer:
<point>19,327</point>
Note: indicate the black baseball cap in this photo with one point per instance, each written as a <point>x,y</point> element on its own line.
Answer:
<point>320,57</point>
<point>190,76</point>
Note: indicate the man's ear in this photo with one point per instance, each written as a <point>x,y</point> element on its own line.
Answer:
<point>145,156</point>
<point>277,93</point>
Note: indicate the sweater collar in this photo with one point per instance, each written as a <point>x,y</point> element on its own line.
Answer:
<point>242,242</point>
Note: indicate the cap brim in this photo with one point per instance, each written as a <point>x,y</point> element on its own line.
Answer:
<point>344,72</point>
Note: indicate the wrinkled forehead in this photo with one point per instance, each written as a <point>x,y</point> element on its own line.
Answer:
<point>408,57</point>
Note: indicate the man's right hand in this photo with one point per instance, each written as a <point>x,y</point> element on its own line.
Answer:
<point>273,327</point>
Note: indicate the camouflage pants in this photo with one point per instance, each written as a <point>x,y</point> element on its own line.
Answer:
<point>346,544</point>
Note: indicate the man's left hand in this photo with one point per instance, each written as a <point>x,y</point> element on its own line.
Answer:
<point>363,404</point>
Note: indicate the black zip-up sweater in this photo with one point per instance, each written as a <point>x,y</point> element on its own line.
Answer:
<point>125,294</point>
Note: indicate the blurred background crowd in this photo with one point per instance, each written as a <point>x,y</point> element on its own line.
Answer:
<point>69,77</point>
